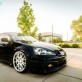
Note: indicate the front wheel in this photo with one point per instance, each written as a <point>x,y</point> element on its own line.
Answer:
<point>20,61</point>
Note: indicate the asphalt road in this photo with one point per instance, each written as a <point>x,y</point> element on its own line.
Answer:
<point>71,73</point>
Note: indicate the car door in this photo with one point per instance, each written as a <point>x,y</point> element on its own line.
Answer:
<point>5,48</point>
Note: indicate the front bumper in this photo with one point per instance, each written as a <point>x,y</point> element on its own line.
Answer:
<point>46,65</point>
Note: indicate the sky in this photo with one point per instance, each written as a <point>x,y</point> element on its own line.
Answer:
<point>48,13</point>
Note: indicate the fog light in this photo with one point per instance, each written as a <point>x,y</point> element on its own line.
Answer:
<point>50,65</point>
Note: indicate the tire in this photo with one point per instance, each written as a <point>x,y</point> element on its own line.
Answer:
<point>20,61</point>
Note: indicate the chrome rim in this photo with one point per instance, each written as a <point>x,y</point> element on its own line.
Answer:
<point>19,61</point>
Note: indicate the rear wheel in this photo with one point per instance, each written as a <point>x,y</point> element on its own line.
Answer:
<point>20,61</point>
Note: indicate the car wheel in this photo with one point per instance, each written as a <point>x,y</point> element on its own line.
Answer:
<point>20,61</point>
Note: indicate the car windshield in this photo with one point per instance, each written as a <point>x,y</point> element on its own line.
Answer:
<point>23,38</point>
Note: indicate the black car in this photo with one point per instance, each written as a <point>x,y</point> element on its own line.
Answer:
<point>25,52</point>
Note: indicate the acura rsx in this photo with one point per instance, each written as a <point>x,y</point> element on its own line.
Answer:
<point>27,53</point>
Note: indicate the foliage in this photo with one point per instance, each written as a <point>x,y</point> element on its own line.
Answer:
<point>39,37</point>
<point>26,20</point>
<point>57,40</point>
<point>75,46</point>
<point>76,26</point>
<point>64,45</point>
<point>60,45</point>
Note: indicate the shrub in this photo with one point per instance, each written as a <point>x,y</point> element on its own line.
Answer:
<point>60,45</point>
<point>75,46</point>
<point>64,45</point>
<point>57,40</point>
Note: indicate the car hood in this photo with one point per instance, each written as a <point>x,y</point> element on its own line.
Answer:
<point>46,45</point>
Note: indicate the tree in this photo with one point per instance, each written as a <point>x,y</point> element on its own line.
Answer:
<point>26,20</point>
<point>76,26</point>
<point>39,36</point>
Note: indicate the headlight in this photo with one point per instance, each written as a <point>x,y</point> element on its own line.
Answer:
<point>62,52</point>
<point>41,51</point>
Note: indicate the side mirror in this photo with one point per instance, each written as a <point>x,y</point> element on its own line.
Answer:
<point>4,40</point>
